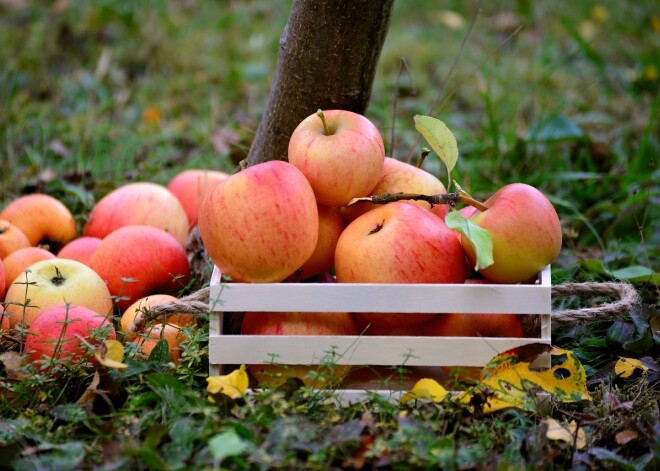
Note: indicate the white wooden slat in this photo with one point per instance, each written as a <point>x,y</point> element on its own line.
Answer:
<point>356,350</point>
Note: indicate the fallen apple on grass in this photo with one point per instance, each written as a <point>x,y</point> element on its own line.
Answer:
<point>341,153</point>
<point>4,321</point>
<point>138,203</point>
<point>18,261</point>
<point>58,333</point>
<point>53,282</point>
<point>11,238</point>
<point>80,249</point>
<point>190,186</point>
<point>139,260</point>
<point>261,224</point>
<point>154,333</point>
<point>42,218</point>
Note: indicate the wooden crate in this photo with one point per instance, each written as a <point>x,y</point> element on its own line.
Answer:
<point>423,353</point>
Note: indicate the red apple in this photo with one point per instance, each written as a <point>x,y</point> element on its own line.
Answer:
<point>138,204</point>
<point>261,224</point>
<point>297,323</point>
<point>80,249</point>
<point>190,186</point>
<point>398,243</point>
<point>16,263</point>
<point>55,333</point>
<point>398,177</point>
<point>2,280</point>
<point>322,260</point>
<point>139,260</point>
<point>341,160</point>
<point>11,238</point>
<point>4,321</point>
<point>56,281</point>
<point>41,218</point>
<point>146,303</point>
<point>526,233</point>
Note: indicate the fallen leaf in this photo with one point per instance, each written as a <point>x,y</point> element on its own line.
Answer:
<point>625,436</point>
<point>425,389</point>
<point>111,354</point>
<point>224,139</point>
<point>233,385</point>
<point>12,364</point>
<point>152,115</point>
<point>451,19</point>
<point>91,392</point>
<point>625,367</point>
<point>557,431</point>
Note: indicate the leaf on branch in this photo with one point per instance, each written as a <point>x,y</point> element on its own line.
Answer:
<point>233,385</point>
<point>425,388</point>
<point>480,238</point>
<point>440,138</point>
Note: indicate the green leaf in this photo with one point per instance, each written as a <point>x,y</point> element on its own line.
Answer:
<point>555,128</point>
<point>479,237</point>
<point>440,138</point>
<point>635,273</point>
<point>161,352</point>
<point>226,444</point>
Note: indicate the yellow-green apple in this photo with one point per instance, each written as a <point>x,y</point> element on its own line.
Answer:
<point>190,186</point>
<point>398,177</point>
<point>144,304</point>
<point>138,204</point>
<point>11,238</point>
<point>59,332</point>
<point>56,281</point>
<point>298,323</point>
<point>341,153</point>
<point>80,249</point>
<point>322,260</point>
<point>16,263</point>
<point>399,242</point>
<point>526,233</point>
<point>42,218</point>
<point>261,224</point>
<point>139,260</point>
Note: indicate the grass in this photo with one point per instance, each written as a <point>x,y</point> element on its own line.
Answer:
<point>96,94</point>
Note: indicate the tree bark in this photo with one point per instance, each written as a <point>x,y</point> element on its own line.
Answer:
<point>328,55</point>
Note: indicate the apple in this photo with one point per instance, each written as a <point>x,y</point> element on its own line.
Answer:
<point>41,218</point>
<point>190,186</point>
<point>261,224</point>
<point>52,282</point>
<point>341,153</point>
<point>2,280</point>
<point>58,331</point>
<point>4,321</point>
<point>146,303</point>
<point>398,242</point>
<point>398,177</point>
<point>526,233</point>
<point>138,204</point>
<point>322,260</point>
<point>139,260</point>
<point>174,335</point>
<point>80,249</point>
<point>11,238</point>
<point>16,263</point>
<point>297,323</point>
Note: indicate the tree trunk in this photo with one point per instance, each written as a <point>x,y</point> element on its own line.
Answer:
<point>328,55</point>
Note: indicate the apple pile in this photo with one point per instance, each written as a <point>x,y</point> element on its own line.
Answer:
<point>130,255</point>
<point>292,221</point>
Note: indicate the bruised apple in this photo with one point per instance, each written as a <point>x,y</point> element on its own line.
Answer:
<point>53,282</point>
<point>60,330</point>
<point>139,260</point>
<point>190,186</point>
<point>341,153</point>
<point>398,177</point>
<point>298,323</point>
<point>138,204</point>
<point>261,224</point>
<point>526,233</point>
<point>399,242</point>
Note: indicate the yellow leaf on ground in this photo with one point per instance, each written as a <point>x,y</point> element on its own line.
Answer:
<point>557,431</point>
<point>111,354</point>
<point>625,367</point>
<point>425,389</point>
<point>233,385</point>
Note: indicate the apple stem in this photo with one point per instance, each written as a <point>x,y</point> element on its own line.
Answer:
<point>452,199</point>
<point>320,114</point>
<point>465,198</point>
<point>425,151</point>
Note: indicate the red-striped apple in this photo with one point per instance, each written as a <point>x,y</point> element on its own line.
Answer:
<point>190,186</point>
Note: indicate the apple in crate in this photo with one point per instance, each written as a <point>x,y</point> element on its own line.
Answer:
<point>398,177</point>
<point>340,152</point>
<point>139,260</point>
<point>80,249</point>
<point>42,218</point>
<point>53,282</point>
<point>526,233</point>
<point>299,323</point>
<point>398,242</point>
<point>261,224</point>
<point>190,186</point>
<point>139,203</point>
<point>60,330</point>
